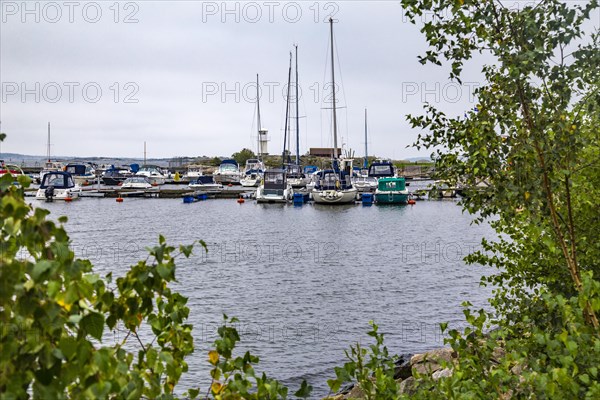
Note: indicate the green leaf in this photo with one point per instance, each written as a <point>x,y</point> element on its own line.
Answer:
<point>304,391</point>
<point>93,324</point>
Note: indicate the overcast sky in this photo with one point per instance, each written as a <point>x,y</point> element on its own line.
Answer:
<point>180,76</point>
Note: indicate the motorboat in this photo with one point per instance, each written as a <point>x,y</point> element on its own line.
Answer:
<point>192,173</point>
<point>206,183</point>
<point>83,174</point>
<point>391,191</point>
<point>114,176</point>
<point>154,173</point>
<point>228,172</point>
<point>137,182</point>
<point>253,173</point>
<point>58,185</point>
<point>441,189</point>
<point>296,176</point>
<point>275,187</point>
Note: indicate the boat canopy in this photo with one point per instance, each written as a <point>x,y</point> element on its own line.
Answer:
<point>58,179</point>
<point>275,179</point>
<point>309,169</point>
<point>203,180</point>
<point>77,169</point>
<point>381,169</point>
<point>391,184</point>
<point>329,179</point>
<point>230,161</point>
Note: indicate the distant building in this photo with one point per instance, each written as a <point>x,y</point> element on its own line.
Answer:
<point>323,151</point>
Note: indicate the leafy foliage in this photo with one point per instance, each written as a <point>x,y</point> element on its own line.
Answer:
<point>529,158</point>
<point>373,375</point>
<point>243,155</point>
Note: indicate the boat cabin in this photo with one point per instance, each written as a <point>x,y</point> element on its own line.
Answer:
<point>391,184</point>
<point>275,181</point>
<point>381,169</point>
<point>57,179</point>
<point>329,179</point>
<point>79,169</point>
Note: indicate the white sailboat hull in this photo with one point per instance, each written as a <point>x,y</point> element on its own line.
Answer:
<point>334,196</point>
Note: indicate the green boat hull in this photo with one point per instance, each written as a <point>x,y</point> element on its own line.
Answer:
<point>391,198</point>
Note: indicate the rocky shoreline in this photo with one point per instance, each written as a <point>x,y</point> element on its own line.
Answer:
<point>408,368</point>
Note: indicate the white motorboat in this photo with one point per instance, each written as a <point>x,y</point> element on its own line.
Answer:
<point>253,173</point>
<point>137,182</point>
<point>228,172</point>
<point>154,173</point>
<point>58,185</point>
<point>83,174</point>
<point>193,173</point>
<point>275,188</point>
<point>206,183</point>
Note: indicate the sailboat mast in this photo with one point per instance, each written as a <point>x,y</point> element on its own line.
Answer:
<point>48,151</point>
<point>258,117</point>
<point>366,149</point>
<point>335,147</point>
<point>287,109</point>
<point>144,153</point>
<point>297,115</point>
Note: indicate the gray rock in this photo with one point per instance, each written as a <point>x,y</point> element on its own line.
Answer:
<point>443,373</point>
<point>407,386</point>
<point>428,363</point>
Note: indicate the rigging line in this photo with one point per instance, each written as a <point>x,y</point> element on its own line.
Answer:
<point>341,88</point>
<point>321,90</point>
<point>252,128</point>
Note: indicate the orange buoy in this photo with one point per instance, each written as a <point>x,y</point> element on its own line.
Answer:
<point>230,185</point>
<point>240,200</point>
<point>411,201</point>
<point>119,199</point>
<point>68,199</point>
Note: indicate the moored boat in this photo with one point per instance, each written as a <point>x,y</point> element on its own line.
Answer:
<point>253,173</point>
<point>206,183</point>
<point>334,186</point>
<point>391,191</point>
<point>58,185</point>
<point>83,174</point>
<point>154,173</point>
<point>137,182</point>
<point>113,176</point>
<point>193,172</point>
<point>228,172</point>
<point>275,188</point>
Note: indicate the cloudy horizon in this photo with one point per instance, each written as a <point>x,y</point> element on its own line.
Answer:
<point>180,76</point>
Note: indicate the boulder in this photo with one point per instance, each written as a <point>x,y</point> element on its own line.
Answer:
<point>407,386</point>
<point>442,373</point>
<point>428,363</point>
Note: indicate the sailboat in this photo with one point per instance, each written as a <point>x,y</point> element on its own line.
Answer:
<point>254,170</point>
<point>275,187</point>
<point>334,186</point>
<point>363,182</point>
<point>296,175</point>
<point>49,165</point>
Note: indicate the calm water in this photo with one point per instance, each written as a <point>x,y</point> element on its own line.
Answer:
<point>304,282</point>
